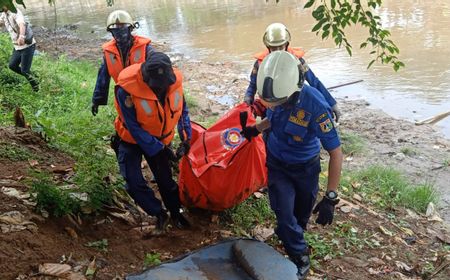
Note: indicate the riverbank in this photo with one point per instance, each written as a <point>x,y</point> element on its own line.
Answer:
<point>366,240</point>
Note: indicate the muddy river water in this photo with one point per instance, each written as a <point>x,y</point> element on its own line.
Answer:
<point>231,30</point>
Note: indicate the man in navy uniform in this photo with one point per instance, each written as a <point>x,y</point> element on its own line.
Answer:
<point>298,121</point>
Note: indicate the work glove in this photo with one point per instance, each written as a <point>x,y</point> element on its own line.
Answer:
<point>94,109</point>
<point>336,113</point>
<point>249,100</point>
<point>326,211</point>
<point>183,149</point>
<point>249,132</point>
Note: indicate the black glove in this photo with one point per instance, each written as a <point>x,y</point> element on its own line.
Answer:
<point>170,154</point>
<point>249,100</point>
<point>249,132</point>
<point>183,149</point>
<point>326,211</point>
<point>94,109</point>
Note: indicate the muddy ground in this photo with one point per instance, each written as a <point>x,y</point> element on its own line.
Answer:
<point>388,250</point>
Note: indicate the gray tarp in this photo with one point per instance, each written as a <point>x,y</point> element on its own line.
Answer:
<point>240,259</point>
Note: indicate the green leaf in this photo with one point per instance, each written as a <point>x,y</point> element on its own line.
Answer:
<point>363,45</point>
<point>333,4</point>
<point>325,34</point>
<point>309,4</point>
<point>319,25</point>
<point>370,64</point>
<point>349,50</point>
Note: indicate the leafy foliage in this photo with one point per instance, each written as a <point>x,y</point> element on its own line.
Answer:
<point>61,111</point>
<point>334,16</point>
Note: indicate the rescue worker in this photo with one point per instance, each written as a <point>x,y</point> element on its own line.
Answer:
<point>123,50</point>
<point>277,37</point>
<point>22,56</point>
<point>298,120</point>
<point>150,104</point>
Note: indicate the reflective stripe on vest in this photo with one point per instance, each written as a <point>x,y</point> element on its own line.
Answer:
<point>157,120</point>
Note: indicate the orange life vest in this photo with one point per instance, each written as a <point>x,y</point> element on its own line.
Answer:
<point>113,58</point>
<point>157,120</point>
<point>298,52</point>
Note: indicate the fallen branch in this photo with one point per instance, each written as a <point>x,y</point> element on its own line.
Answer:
<point>434,119</point>
<point>345,84</point>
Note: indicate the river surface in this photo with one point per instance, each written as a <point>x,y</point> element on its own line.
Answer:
<point>231,30</point>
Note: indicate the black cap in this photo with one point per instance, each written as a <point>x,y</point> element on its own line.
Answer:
<point>157,70</point>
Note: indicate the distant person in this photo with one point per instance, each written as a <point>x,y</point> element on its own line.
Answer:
<point>22,56</point>
<point>123,50</point>
<point>277,37</point>
<point>150,105</point>
<point>298,121</point>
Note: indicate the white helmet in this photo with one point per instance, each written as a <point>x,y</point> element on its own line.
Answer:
<point>278,78</point>
<point>118,17</point>
<point>276,35</point>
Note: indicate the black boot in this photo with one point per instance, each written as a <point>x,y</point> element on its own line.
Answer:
<point>303,264</point>
<point>162,221</point>
<point>180,221</point>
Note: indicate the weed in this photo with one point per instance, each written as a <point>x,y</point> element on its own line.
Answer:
<point>50,198</point>
<point>14,152</point>
<point>249,213</point>
<point>152,259</point>
<point>352,144</point>
<point>101,245</point>
<point>321,247</point>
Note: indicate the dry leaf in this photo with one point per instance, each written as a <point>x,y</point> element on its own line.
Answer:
<point>33,162</point>
<point>54,269</point>
<point>386,231</point>
<point>71,232</point>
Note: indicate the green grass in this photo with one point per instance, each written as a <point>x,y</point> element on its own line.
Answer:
<point>61,111</point>
<point>352,144</point>
<point>101,245</point>
<point>14,152</point>
<point>248,214</point>
<point>386,187</point>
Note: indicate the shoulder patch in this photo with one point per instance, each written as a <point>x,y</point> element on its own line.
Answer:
<point>326,126</point>
<point>300,117</point>
<point>128,101</point>
<point>321,117</point>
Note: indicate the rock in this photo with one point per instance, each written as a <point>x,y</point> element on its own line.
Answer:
<point>357,197</point>
<point>432,214</point>
<point>399,156</point>
<point>262,233</point>
<point>346,209</point>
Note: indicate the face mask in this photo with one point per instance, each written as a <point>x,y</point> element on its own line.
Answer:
<point>122,36</point>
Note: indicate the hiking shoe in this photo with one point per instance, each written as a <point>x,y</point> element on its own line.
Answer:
<point>303,264</point>
<point>180,222</point>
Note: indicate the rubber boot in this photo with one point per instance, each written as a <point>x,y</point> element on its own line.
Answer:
<point>303,264</point>
<point>180,222</point>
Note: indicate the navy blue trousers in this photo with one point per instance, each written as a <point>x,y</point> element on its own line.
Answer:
<point>130,157</point>
<point>292,193</point>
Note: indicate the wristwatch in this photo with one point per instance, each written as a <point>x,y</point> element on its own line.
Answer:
<point>331,195</point>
